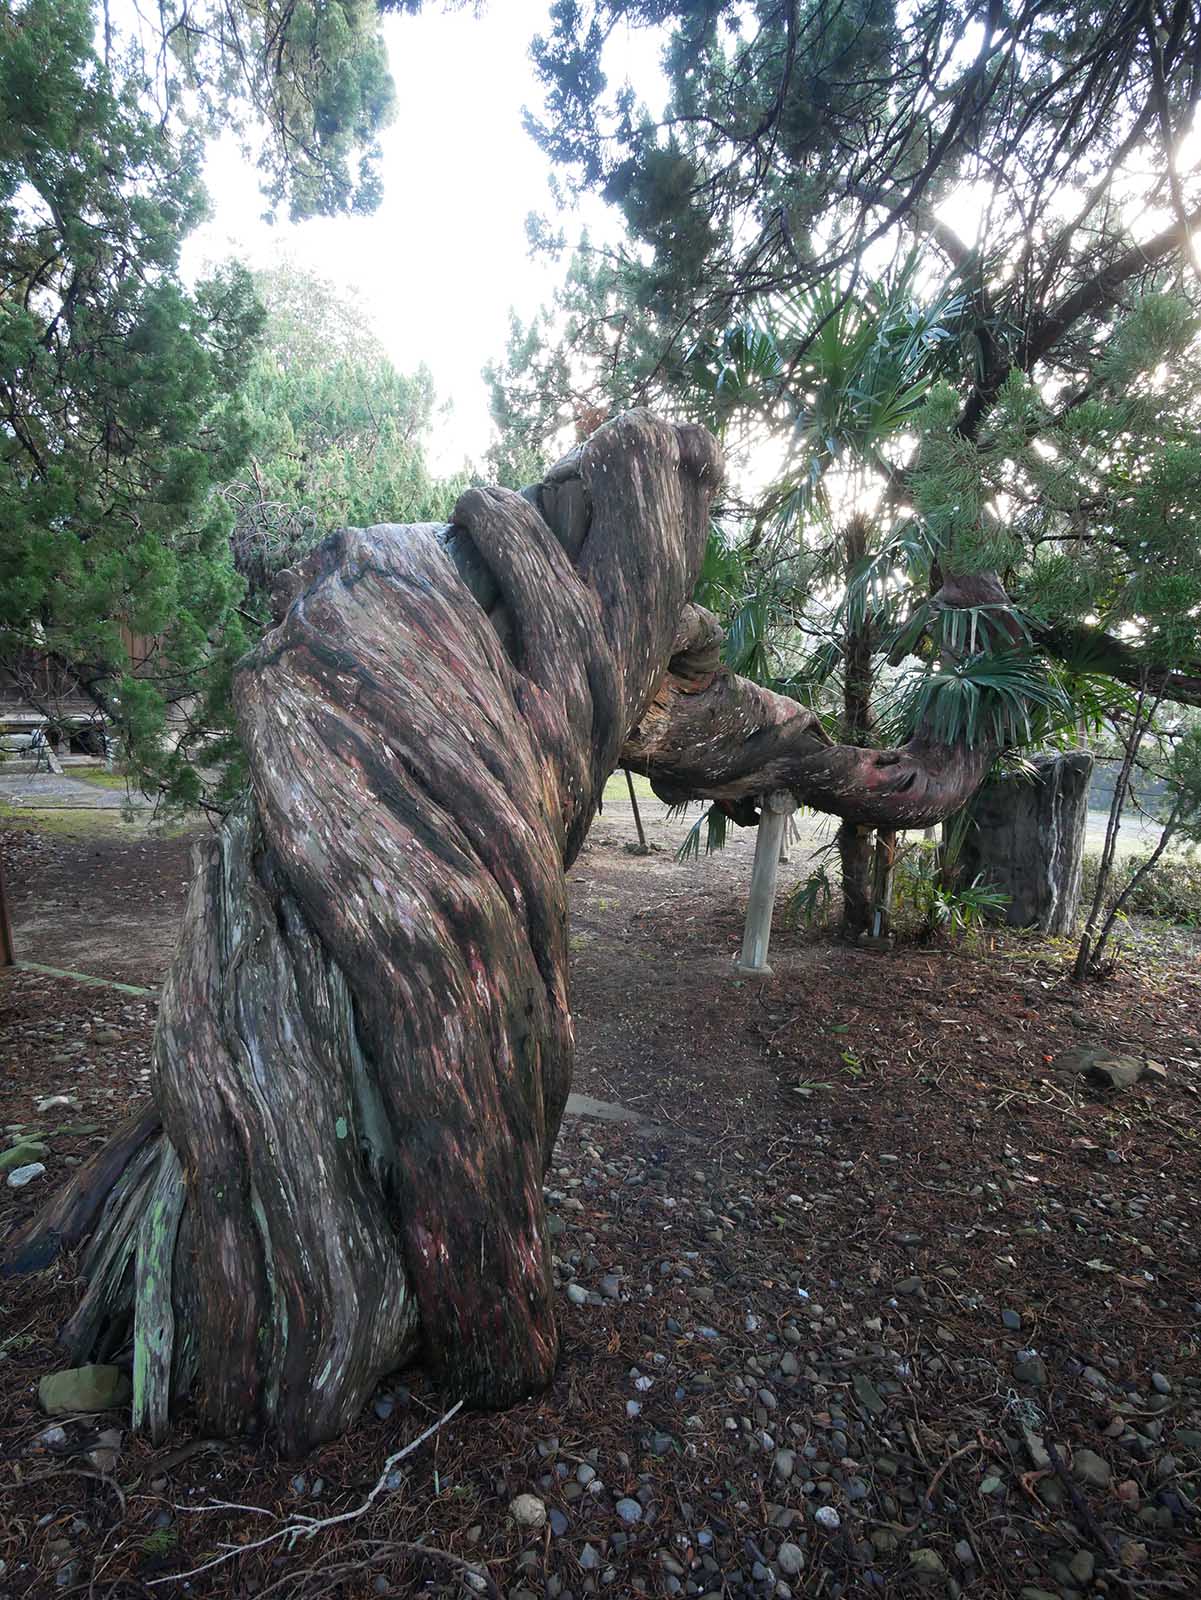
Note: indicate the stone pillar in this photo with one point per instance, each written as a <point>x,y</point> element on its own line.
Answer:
<point>1026,837</point>
<point>775,810</point>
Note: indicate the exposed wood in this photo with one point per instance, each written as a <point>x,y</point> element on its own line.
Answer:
<point>70,1216</point>
<point>154,1307</point>
<point>713,735</point>
<point>1026,837</point>
<point>364,1045</point>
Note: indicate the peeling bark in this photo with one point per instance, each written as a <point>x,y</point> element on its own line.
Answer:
<point>364,1046</point>
<point>709,734</point>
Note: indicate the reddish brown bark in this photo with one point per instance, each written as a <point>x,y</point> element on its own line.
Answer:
<point>712,735</point>
<point>364,1047</point>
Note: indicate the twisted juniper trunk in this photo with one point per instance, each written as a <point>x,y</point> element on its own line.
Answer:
<point>709,734</point>
<point>364,1045</point>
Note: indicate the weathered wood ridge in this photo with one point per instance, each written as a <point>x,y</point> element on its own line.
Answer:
<point>364,1046</point>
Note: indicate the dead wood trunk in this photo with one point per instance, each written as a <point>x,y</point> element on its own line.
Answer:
<point>364,1046</point>
<point>1025,835</point>
<point>709,734</point>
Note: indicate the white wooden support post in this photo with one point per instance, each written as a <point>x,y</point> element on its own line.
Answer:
<point>776,808</point>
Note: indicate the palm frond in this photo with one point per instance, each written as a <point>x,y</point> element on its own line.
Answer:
<point>1005,699</point>
<point>712,824</point>
<point>746,648</point>
<point>723,578</point>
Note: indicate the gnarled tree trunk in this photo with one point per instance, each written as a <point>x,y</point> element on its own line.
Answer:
<point>1025,835</point>
<point>364,1045</point>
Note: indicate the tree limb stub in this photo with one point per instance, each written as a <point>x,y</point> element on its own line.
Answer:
<point>364,1045</point>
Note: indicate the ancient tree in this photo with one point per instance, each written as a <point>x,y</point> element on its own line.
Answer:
<point>364,1046</point>
<point>1024,834</point>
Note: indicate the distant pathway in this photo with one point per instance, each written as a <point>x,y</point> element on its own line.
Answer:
<point>52,791</point>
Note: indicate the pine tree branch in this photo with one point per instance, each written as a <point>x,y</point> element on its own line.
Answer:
<point>1099,293</point>
<point>1094,650</point>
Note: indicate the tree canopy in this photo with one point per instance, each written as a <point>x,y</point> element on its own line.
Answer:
<point>337,433</point>
<point>119,385</point>
<point>1036,415</point>
<point>139,425</point>
<point>305,87</point>
<point>795,136</point>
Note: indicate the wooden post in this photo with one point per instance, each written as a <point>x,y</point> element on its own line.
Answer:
<point>642,845</point>
<point>777,807</point>
<point>8,953</point>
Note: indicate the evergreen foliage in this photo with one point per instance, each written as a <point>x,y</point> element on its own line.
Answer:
<point>139,427</point>
<point>337,434</point>
<point>797,134</point>
<point>119,393</point>
<point>938,257</point>
<point>303,84</point>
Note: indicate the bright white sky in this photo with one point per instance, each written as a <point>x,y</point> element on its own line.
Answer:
<point>441,262</point>
<point>439,265</point>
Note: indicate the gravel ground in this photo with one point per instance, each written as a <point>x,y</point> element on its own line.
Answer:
<point>881,1296</point>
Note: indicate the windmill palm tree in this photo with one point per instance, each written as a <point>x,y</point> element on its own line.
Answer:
<point>841,376</point>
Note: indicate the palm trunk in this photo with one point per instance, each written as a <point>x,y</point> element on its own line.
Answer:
<point>855,846</point>
<point>855,858</point>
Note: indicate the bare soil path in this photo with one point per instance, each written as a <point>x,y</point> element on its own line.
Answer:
<point>880,1297</point>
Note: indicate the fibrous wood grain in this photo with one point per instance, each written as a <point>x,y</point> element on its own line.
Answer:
<point>364,1047</point>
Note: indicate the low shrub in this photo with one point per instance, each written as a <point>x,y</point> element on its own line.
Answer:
<point>1171,891</point>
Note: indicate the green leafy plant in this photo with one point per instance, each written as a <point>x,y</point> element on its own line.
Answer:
<point>160,1541</point>
<point>1169,893</point>
<point>922,882</point>
<point>1006,699</point>
<point>711,825</point>
<point>810,900</point>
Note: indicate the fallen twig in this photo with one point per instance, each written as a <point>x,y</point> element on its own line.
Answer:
<point>1082,1506</point>
<point>905,1529</point>
<point>300,1526</point>
<point>81,1472</point>
<point>473,1577</point>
